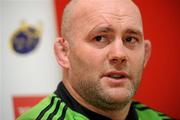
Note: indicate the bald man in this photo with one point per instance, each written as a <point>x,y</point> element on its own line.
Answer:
<point>102,52</point>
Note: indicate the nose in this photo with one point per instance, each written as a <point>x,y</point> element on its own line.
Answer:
<point>117,53</point>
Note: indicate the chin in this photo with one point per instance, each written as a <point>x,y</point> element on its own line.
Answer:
<point>121,95</point>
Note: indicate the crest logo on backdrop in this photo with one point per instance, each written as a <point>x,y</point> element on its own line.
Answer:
<point>26,38</point>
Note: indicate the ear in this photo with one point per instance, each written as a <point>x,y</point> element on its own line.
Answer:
<point>147,46</point>
<point>61,52</point>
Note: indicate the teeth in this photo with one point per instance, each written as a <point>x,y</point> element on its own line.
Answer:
<point>116,76</point>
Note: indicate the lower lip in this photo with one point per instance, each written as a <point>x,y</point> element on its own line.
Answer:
<point>115,82</point>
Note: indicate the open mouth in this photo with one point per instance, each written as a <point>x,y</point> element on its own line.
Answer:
<point>117,76</point>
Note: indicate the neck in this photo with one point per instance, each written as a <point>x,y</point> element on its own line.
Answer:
<point>114,115</point>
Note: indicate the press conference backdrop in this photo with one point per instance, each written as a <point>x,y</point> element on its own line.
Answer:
<point>0,58</point>
<point>161,81</point>
<point>29,67</point>
<point>30,71</point>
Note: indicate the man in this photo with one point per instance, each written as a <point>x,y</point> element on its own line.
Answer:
<point>103,53</point>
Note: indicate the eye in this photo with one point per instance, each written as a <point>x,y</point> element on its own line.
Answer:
<point>131,40</point>
<point>100,41</point>
<point>99,38</point>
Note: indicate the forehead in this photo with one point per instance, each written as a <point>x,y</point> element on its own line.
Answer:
<point>82,7</point>
<point>90,13</point>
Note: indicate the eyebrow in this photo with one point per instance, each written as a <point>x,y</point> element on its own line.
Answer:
<point>103,29</point>
<point>134,31</point>
<point>106,29</point>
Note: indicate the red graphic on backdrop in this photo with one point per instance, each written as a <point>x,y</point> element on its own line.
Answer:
<point>24,103</point>
<point>59,7</point>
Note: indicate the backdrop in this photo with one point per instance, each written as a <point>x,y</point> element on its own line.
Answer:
<point>28,66</point>
<point>159,88</point>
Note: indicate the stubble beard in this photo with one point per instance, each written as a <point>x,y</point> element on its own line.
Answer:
<point>93,93</point>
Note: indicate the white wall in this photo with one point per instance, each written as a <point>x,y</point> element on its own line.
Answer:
<point>0,59</point>
<point>33,73</point>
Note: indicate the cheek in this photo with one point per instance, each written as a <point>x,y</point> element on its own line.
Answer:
<point>90,56</point>
<point>136,64</point>
<point>82,61</point>
<point>84,69</point>
<point>136,58</point>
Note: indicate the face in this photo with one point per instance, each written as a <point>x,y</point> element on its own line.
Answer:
<point>107,52</point>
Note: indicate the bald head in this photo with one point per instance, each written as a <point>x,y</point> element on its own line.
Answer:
<point>66,18</point>
<point>77,9</point>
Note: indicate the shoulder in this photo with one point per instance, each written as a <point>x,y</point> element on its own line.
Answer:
<point>144,112</point>
<point>48,105</point>
<point>51,107</point>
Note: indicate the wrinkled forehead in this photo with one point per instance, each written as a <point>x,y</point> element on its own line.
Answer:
<point>88,14</point>
<point>85,8</point>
